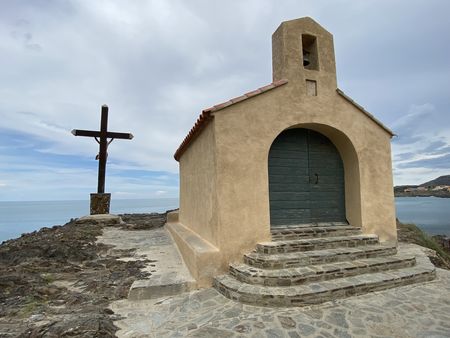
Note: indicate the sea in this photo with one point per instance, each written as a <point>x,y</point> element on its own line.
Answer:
<point>431,214</point>
<point>17,218</point>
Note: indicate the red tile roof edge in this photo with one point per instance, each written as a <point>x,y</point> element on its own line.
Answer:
<point>205,117</point>
<point>199,125</point>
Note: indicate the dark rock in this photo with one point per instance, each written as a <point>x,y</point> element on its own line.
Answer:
<point>108,311</point>
<point>143,221</point>
<point>259,325</point>
<point>61,271</point>
<point>192,326</point>
<point>286,322</point>
<point>243,328</point>
<point>75,326</point>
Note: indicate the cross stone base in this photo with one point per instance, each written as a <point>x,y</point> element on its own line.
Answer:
<point>100,203</point>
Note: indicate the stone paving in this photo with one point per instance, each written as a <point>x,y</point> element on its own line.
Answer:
<point>306,244</point>
<point>294,259</point>
<point>168,274</point>
<point>313,231</point>
<point>308,284</point>
<point>419,310</point>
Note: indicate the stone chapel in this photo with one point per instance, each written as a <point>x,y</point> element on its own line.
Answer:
<point>297,153</point>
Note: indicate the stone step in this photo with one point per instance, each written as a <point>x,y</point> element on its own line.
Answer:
<point>318,292</point>
<point>295,259</point>
<point>314,231</point>
<point>308,225</point>
<point>313,273</point>
<point>315,243</point>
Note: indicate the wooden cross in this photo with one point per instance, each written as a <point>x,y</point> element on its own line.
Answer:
<point>102,139</point>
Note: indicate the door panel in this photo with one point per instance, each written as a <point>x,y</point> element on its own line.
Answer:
<point>327,189</point>
<point>306,179</point>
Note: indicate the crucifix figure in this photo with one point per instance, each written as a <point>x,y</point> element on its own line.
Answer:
<point>100,201</point>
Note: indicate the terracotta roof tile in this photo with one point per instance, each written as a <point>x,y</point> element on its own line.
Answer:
<point>253,93</point>
<point>246,96</point>
<point>222,105</point>
<point>268,87</point>
<point>205,117</point>
<point>199,125</point>
<point>239,99</point>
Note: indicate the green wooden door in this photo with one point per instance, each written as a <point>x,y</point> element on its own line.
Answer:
<point>306,179</point>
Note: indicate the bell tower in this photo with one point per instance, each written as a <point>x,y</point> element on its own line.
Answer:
<point>303,53</point>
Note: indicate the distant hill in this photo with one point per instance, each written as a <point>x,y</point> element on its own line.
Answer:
<point>441,180</point>
<point>425,189</point>
<point>401,188</point>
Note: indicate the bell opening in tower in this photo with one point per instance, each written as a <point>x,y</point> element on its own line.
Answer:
<point>309,52</point>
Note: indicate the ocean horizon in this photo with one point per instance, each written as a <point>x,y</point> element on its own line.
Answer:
<point>18,217</point>
<point>431,214</point>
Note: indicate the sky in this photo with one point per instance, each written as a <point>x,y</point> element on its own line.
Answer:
<point>157,64</point>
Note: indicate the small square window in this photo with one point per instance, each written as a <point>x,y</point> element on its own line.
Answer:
<point>311,88</point>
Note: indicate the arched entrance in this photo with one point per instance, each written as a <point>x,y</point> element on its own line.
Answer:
<point>306,179</point>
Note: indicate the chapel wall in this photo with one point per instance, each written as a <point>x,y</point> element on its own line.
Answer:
<point>244,134</point>
<point>224,185</point>
<point>198,202</point>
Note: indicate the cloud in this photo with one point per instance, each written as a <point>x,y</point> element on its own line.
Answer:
<point>20,31</point>
<point>423,144</point>
<point>29,174</point>
<point>157,64</point>
<point>34,180</point>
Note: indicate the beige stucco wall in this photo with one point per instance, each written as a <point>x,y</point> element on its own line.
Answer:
<point>287,55</point>
<point>242,155</point>
<point>198,197</point>
<point>224,187</point>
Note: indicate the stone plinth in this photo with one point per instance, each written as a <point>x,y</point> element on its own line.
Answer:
<point>172,217</point>
<point>100,219</point>
<point>100,203</point>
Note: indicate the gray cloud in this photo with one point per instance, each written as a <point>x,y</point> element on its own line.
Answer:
<point>441,162</point>
<point>423,144</point>
<point>158,63</point>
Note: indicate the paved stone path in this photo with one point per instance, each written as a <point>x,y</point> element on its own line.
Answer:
<point>168,273</point>
<point>419,310</point>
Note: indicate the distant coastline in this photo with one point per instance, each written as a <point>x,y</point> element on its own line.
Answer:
<point>439,187</point>
<point>441,194</point>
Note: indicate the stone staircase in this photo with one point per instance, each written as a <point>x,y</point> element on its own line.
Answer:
<point>313,263</point>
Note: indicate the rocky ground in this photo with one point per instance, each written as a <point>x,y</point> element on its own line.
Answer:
<point>410,233</point>
<point>58,282</point>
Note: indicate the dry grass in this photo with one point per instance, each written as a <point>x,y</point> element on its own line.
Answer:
<point>410,233</point>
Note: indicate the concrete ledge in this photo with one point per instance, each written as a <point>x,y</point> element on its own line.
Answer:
<point>172,217</point>
<point>201,257</point>
<point>151,288</point>
<point>106,219</point>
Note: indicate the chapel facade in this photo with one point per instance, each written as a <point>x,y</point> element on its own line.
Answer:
<point>296,151</point>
